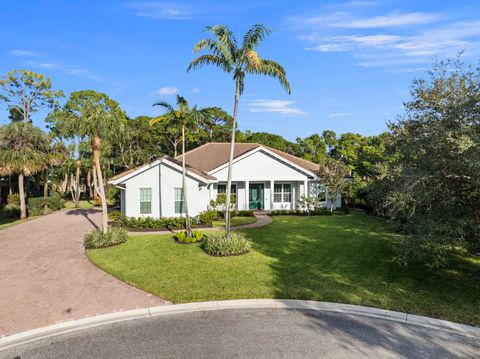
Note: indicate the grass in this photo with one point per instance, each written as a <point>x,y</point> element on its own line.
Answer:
<point>85,204</point>
<point>343,259</point>
<point>235,221</point>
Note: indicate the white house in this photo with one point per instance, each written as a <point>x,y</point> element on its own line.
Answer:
<point>263,179</point>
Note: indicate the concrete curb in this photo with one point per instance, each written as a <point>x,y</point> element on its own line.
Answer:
<point>75,325</point>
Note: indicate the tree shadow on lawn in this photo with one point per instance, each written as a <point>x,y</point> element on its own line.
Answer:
<point>347,259</point>
<point>397,338</point>
<point>85,213</point>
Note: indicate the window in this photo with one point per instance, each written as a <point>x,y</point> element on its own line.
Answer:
<point>320,191</point>
<point>282,193</point>
<point>178,200</point>
<point>222,190</point>
<point>145,200</point>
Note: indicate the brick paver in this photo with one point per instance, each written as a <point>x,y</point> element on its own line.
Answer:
<point>45,276</point>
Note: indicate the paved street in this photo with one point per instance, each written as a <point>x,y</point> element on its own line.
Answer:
<point>259,333</point>
<point>45,276</point>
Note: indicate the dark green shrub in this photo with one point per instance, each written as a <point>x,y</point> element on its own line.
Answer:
<point>12,210</point>
<point>13,198</point>
<point>154,223</point>
<point>216,244</point>
<point>115,216</point>
<point>55,202</point>
<point>182,237</point>
<point>207,217</point>
<point>322,211</point>
<point>342,210</point>
<point>36,205</point>
<point>97,239</point>
<point>244,213</point>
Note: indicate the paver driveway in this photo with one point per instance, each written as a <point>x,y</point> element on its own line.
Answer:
<point>45,276</point>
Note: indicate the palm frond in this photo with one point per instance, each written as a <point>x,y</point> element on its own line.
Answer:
<point>254,36</point>
<point>272,69</point>
<point>157,119</point>
<point>253,60</point>
<point>164,104</point>
<point>204,60</point>
<point>226,38</point>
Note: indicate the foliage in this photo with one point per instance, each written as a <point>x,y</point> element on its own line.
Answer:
<point>98,239</point>
<point>155,223</point>
<point>37,205</point>
<point>26,92</point>
<point>182,237</point>
<point>13,198</point>
<point>115,216</point>
<point>332,175</point>
<point>308,203</point>
<point>217,244</point>
<point>208,216</point>
<point>12,210</point>
<point>245,213</point>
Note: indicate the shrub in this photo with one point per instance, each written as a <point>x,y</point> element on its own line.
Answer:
<point>36,205</point>
<point>208,216</point>
<point>13,198</point>
<point>244,213</point>
<point>182,237</point>
<point>216,244</point>
<point>115,216</point>
<point>322,211</point>
<point>97,239</point>
<point>12,210</point>
<point>155,223</point>
<point>97,201</point>
<point>342,210</point>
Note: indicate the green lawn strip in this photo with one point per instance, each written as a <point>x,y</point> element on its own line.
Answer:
<point>344,259</point>
<point>236,221</point>
<point>6,221</point>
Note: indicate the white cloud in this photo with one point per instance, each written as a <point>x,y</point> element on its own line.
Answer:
<point>162,10</point>
<point>350,42</point>
<point>340,114</point>
<point>66,69</point>
<point>167,90</point>
<point>346,21</point>
<point>282,107</point>
<point>195,90</point>
<point>24,53</point>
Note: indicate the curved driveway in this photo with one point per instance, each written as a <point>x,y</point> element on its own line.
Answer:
<point>45,276</point>
<point>253,333</point>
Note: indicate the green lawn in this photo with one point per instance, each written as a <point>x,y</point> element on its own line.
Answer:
<point>6,221</point>
<point>235,221</point>
<point>343,259</point>
<point>86,204</point>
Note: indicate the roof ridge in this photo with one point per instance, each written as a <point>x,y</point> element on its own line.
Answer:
<point>300,158</point>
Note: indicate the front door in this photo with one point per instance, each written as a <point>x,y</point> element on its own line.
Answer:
<point>255,196</point>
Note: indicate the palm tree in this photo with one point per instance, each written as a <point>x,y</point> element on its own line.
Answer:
<point>184,116</point>
<point>92,115</point>
<point>224,52</point>
<point>56,155</point>
<point>23,151</point>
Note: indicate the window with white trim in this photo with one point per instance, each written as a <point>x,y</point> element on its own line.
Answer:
<point>145,200</point>
<point>179,200</point>
<point>222,190</point>
<point>282,193</point>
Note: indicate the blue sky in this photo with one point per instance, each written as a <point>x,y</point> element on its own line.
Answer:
<point>350,63</point>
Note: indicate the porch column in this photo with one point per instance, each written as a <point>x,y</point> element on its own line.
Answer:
<point>247,190</point>
<point>305,188</point>
<point>271,194</point>
<point>294,195</point>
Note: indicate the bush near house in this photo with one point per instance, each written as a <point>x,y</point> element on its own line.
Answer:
<point>319,211</point>
<point>182,237</point>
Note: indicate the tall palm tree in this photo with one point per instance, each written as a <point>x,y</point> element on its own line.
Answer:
<point>184,116</point>
<point>92,115</point>
<point>225,53</point>
<point>23,151</point>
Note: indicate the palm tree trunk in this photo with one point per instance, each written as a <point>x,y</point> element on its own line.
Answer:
<point>78,163</point>
<point>184,186</point>
<point>89,184</point>
<point>45,190</point>
<point>101,189</point>
<point>230,161</point>
<point>94,177</point>
<point>21,192</point>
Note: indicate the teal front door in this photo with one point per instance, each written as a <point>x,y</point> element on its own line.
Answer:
<point>255,196</point>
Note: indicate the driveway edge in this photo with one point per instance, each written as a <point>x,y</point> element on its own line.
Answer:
<point>75,325</point>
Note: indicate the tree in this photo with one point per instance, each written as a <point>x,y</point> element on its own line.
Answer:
<point>92,115</point>
<point>56,155</point>
<point>185,116</point>
<point>332,174</point>
<point>216,124</point>
<point>312,148</point>
<point>224,52</point>
<point>437,182</point>
<point>26,92</point>
<point>23,151</point>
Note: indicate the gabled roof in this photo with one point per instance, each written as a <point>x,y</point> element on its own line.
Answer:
<point>131,172</point>
<point>212,155</point>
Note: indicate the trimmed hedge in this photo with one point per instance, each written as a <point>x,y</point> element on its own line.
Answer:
<point>36,205</point>
<point>319,211</point>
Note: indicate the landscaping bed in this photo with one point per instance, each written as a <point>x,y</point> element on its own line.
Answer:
<point>345,259</point>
